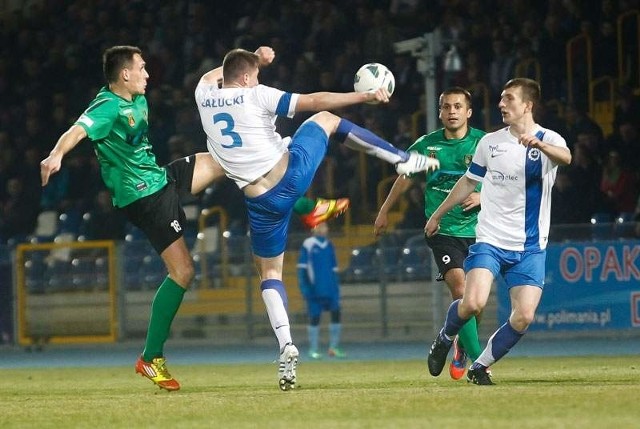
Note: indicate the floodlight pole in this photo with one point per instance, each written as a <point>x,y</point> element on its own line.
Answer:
<point>426,65</point>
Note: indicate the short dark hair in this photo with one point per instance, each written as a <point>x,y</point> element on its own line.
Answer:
<point>457,90</point>
<point>115,59</point>
<point>238,62</point>
<point>530,89</point>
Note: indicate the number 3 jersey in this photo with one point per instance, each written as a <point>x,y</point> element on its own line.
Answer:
<point>241,130</point>
<point>516,190</point>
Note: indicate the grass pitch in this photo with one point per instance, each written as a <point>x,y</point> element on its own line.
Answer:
<point>582,392</point>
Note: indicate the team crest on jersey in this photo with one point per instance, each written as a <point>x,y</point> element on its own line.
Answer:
<point>467,160</point>
<point>534,154</point>
<point>132,122</point>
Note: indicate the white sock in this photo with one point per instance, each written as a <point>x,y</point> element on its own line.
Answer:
<point>277,316</point>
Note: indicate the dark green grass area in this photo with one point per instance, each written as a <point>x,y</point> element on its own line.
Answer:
<point>581,392</point>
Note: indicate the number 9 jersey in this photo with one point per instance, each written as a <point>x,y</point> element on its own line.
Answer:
<point>241,130</point>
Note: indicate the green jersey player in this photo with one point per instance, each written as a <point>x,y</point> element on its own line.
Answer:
<point>454,146</point>
<point>117,124</point>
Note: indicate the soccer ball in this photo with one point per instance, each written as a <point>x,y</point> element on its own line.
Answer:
<point>372,76</point>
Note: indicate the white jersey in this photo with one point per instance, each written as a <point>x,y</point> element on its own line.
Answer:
<point>241,130</point>
<point>516,190</point>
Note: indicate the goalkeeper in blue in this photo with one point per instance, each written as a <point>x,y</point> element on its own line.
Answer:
<point>320,287</point>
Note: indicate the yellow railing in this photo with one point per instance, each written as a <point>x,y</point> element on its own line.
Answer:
<point>24,314</point>
<point>601,110</point>
<point>623,18</point>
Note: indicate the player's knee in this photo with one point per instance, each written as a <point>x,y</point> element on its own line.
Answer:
<point>183,275</point>
<point>326,120</point>
<point>470,307</point>
<point>521,319</point>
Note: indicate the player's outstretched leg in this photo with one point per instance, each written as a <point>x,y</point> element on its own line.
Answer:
<point>157,371</point>
<point>287,367</point>
<point>363,140</point>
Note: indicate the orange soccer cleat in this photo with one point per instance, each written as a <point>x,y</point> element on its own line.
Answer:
<point>324,210</point>
<point>459,361</point>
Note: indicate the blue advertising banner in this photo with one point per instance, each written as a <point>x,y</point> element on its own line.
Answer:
<point>588,286</point>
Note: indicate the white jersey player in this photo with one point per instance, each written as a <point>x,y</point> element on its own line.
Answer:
<point>239,120</point>
<point>516,189</point>
<point>517,166</point>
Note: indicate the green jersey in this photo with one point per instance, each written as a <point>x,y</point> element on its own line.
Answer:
<point>454,156</point>
<point>118,129</point>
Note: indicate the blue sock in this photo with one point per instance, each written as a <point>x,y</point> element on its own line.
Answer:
<point>499,344</point>
<point>278,286</point>
<point>453,323</point>
<point>363,140</point>
<point>313,332</point>
<point>335,329</point>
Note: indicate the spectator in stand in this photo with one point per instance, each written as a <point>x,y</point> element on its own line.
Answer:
<point>619,185</point>
<point>627,107</point>
<point>579,122</point>
<point>566,201</point>
<point>104,221</point>
<point>19,212</point>
<point>626,141</point>
<point>584,173</point>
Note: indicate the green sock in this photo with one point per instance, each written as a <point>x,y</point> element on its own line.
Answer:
<point>468,338</point>
<point>304,205</point>
<point>163,309</point>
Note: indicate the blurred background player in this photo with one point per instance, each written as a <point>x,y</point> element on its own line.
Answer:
<point>320,286</point>
<point>453,145</point>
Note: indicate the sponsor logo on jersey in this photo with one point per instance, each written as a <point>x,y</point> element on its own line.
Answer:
<point>534,154</point>
<point>498,176</point>
<point>467,159</point>
<point>496,151</point>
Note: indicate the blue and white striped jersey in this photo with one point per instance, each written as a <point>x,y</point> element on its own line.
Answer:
<point>516,190</point>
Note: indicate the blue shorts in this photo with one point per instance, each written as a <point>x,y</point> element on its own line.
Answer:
<point>518,268</point>
<point>316,306</point>
<point>269,213</point>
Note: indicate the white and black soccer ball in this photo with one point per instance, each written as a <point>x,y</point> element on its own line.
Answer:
<point>372,76</point>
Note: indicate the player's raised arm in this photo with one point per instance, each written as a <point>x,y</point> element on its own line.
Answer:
<point>67,141</point>
<point>265,54</point>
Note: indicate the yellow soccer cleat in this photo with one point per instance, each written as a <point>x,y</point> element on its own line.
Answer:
<point>157,372</point>
<point>324,210</point>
